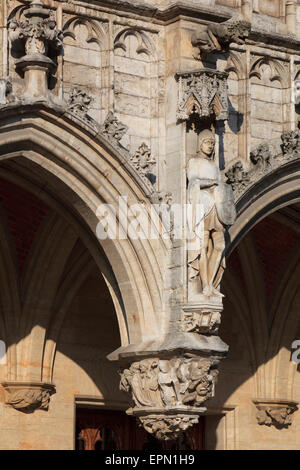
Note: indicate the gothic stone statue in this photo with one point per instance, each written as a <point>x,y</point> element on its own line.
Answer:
<point>208,191</point>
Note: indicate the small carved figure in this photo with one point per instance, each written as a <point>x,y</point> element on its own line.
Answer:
<point>168,383</point>
<point>207,190</point>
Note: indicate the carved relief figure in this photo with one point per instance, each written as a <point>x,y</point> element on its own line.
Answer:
<point>168,382</point>
<point>207,191</point>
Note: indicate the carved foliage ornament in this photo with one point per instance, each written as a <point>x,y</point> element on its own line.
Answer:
<point>160,386</point>
<point>168,427</point>
<point>5,91</point>
<point>263,162</point>
<point>204,93</point>
<point>143,162</point>
<point>113,129</point>
<point>79,102</point>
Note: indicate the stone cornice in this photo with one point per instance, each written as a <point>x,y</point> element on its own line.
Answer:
<point>275,39</point>
<point>182,8</point>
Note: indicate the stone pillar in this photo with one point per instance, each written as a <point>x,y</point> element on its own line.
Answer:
<point>247,8</point>
<point>38,35</point>
<point>290,16</point>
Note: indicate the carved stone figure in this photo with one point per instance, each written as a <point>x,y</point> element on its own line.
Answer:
<point>161,387</point>
<point>278,416</point>
<point>217,37</point>
<point>28,398</point>
<point>168,383</point>
<point>168,427</point>
<point>207,190</point>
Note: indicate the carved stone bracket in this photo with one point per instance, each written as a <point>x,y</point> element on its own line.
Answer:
<point>168,394</point>
<point>275,413</point>
<point>204,318</point>
<point>217,37</point>
<point>28,396</point>
<point>263,161</point>
<point>204,93</point>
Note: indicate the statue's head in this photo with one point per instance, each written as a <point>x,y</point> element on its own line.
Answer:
<point>206,143</point>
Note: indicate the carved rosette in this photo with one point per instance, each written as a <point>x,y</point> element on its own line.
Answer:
<point>28,397</point>
<point>169,394</point>
<point>275,413</point>
<point>204,93</point>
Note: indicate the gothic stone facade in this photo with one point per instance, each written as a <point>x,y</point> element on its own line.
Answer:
<point>157,101</point>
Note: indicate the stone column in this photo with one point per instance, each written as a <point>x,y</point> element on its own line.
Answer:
<point>290,16</point>
<point>247,8</point>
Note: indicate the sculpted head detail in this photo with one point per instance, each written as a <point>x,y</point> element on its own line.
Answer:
<point>206,144</point>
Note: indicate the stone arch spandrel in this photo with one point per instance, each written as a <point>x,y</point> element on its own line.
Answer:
<point>267,196</point>
<point>95,176</point>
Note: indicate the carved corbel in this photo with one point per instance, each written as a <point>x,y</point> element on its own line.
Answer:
<point>28,396</point>
<point>202,319</point>
<point>275,413</point>
<point>169,394</point>
<point>204,93</point>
